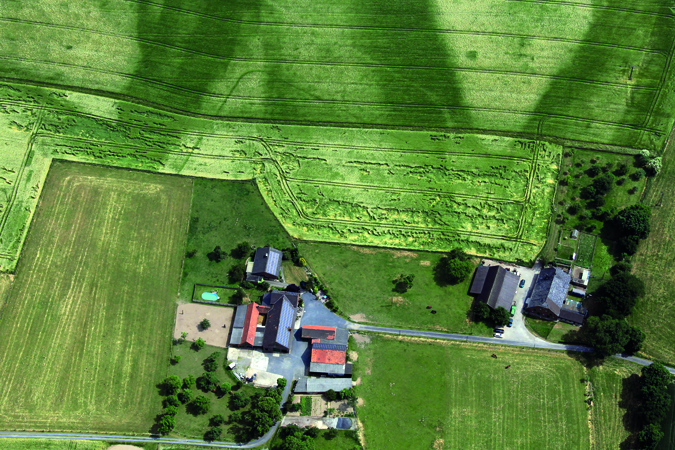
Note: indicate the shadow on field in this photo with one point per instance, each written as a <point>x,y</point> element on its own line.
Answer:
<point>629,402</point>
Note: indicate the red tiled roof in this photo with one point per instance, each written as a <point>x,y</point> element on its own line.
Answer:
<point>250,324</point>
<point>328,356</point>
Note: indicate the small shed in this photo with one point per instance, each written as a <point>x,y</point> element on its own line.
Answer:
<point>575,234</point>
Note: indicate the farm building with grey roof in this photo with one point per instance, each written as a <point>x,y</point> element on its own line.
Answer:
<point>495,286</point>
<point>549,294</point>
<point>267,263</point>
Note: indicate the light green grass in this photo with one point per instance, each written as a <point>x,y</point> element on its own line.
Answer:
<point>585,250</point>
<point>609,404</point>
<point>566,249</point>
<point>550,69</point>
<point>602,258</point>
<point>490,195</point>
<point>360,281</point>
<point>49,444</point>
<point>457,393</point>
<point>81,333</point>
<point>306,406</point>
<point>541,327</point>
<point>194,427</point>
<point>225,214</point>
<point>653,263</point>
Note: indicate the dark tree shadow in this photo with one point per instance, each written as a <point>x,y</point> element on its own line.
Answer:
<point>588,360</point>
<point>630,401</point>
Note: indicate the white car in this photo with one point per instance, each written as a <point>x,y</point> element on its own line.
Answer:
<point>499,335</point>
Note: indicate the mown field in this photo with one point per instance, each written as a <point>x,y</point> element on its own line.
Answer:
<point>490,195</point>
<point>81,331</point>
<point>455,396</point>
<point>588,71</point>
<point>48,444</point>
<point>653,263</point>
<point>360,280</point>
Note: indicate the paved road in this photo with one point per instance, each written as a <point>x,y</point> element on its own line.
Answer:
<point>129,439</point>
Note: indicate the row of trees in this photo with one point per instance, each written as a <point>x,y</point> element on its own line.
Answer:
<point>654,404</point>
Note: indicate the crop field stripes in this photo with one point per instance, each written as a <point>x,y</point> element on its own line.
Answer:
<point>347,63</point>
<point>598,7</point>
<point>664,76</point>
<point>389,105</point>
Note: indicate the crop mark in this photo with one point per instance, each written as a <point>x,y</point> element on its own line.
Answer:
<point>597,7</point>
<point>662,82</point>
<point>385,66</point>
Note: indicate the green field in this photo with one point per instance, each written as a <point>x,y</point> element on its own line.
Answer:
<point>94,292</point>
<point>360,281</point>
<point>225,214</point>
<point>610,403</point>
<point>420,394</point>
<point>48,444</point>
<point>653,263</point>
<point>595,72</point>
<point>490,195</point>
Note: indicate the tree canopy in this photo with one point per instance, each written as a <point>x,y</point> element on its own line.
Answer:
<point>619,295</point>
<point>172,384</point>
<point>208,382</point>
<point>454,268</point>
<point>201,404</point>
<point>609,336</point>
<point>403,282</point>
<point>634,221</point>
<point>216,255</point>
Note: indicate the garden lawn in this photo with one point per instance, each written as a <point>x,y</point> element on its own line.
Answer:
<point>360,281</point>
<point>191,426</point>
<point>654,263</point>
<point>585,250</point>
<point>84,336</point>
<point>417,394</point>
<point>609,404</point>
<point>225,213</point>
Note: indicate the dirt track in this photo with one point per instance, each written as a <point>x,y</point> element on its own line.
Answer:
<point>189,315</point>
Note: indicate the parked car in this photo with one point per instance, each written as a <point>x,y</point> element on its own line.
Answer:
<point>522,283</point>
<point>510,322</point>
<point>499,330</point>
<point>499,335</point>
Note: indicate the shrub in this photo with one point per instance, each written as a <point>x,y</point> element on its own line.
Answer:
<point>185,396</point>
<point>330,395</point>
<point>171,400</point>
<point>200,405</point>
<point>302,262</point>
<point>210,364</point>
<point>593,171</point>
<point>638,175</point>
<point>242,250</point>
<point>171,384</point>
<point>236,273</point>
<point>189,381</point>
<point>654,166</point>
<point>247,285</point>
<point>216,255</point>
<point>191,253</point>
<point>213,434</point>
<point>208,382</point>
<point>166,424</point>
<point>198,344</point>
<point>175,360</point>
<point>205,324</point>
<point>402,283</point>
<point>217,420</point>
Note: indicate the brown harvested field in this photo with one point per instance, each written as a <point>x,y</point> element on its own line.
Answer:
<point>189,315</point>
<point>84,335</point>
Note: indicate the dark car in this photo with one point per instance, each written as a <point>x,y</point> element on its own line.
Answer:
<point>510,322</point>
<point>499,330</point>
<point>522,283</point>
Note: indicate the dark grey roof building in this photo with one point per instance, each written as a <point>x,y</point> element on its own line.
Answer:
<point>495,286</point>
<point>549,293</point>
<point>271,298</point>
<point>267,263</point>
<point>573,312</point>
<point>279,326</point>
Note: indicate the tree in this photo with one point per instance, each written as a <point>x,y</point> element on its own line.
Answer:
<point>235,417</point>
<point>172,384</point>
<point>201,404</point>
<point>649,437</point>
<point>588,193</point>
<point>302,262</point>
<point>236,273</point>
<point>609,336</point>
<point>171,400</point>
<point>453,270</point>
<point>239,295</point>
<point>403,282</point>
<point>224,388</point>
<point>216,255</point>
<point>621,170</point>
<point>198,344</point>
<point>171,410</point>
<point>208,382</point>
<point>643,157</point>
<point>312,432</point>
<point>638,174</point>
<point>654,382</point>
<point>635,339</point>
<point>281,382</point>
<point>481,311</point>
<point>593,171</point>
<point>210,364</point>
<point>213,434</point>
<point>331,434</point>
<point>175,360</point>
<point>242,250</point>
<point>166,424</point>
<point>191,253</point>
<point>185,396</point>
<point>263,286</point>
<point>628,245</point>
<point>603,184</point>
<point>297,443</point>
<point>189,381</point>
<point>238,400</point>
<point>634,221</point>
<point>620,267</point>
<point>620,293</point>
<point>500,316</point>
<point>654,166</point>
<point>217,420</point>
<point>263,414</point>
<point>205,324</point>
<point>330,395</point>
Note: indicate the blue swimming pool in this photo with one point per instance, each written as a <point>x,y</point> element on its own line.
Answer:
<point>211,296</point>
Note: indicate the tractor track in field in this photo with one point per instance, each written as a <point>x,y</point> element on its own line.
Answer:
<point>598,7</point>
<point>366,27</point>
<point>662,53</point>
<point>337,102</point>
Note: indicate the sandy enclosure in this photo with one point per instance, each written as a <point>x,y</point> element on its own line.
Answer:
<point>189,315</point>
